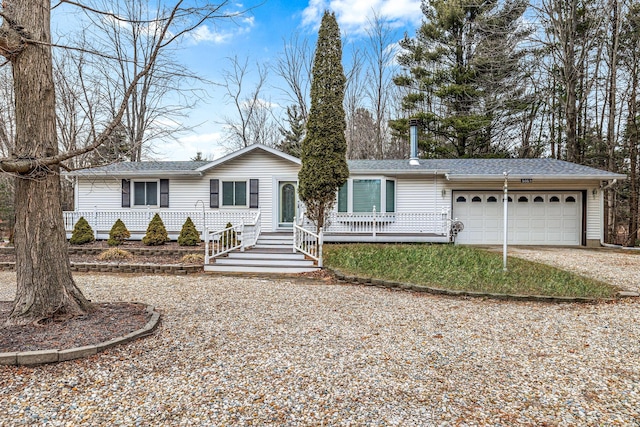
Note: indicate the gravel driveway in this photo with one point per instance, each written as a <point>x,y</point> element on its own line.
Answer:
<point>615,266</point>
<point>250,351</point>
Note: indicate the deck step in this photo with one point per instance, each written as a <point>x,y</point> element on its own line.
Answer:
<point>254,254</point>
<point>274,242</point>
<point>274,269</point>
<point>273,253</point>
<point>264,262</point>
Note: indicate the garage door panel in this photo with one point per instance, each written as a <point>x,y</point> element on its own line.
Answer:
<point>534,218</point>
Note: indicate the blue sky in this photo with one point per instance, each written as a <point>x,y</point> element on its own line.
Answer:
<point>259,35</point>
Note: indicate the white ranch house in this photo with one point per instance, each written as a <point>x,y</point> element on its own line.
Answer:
<point>551,202</point>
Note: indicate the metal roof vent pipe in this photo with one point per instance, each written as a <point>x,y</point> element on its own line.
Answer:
<point>413,138</point>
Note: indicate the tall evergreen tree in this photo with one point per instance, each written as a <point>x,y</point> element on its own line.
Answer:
<point>462,73</point>
<point>324,163</point>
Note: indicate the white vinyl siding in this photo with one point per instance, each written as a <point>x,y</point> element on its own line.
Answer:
<point>595,224</point>
<point>99,193</point>
<point>422,195</point>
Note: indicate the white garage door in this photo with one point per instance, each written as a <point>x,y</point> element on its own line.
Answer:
<point>533,218</point>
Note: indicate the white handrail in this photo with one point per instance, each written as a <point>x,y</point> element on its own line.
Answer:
<point>308,243</point>
<point>220,242</point>
<point>251,232</point>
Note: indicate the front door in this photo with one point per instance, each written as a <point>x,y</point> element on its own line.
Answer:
<point>287,203</point>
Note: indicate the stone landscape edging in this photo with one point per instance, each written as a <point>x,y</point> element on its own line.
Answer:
<point>39,357</point>
<point>368,281</point>
<point>82,267</point>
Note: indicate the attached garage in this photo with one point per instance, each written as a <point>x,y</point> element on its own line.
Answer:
<point>534,217</point>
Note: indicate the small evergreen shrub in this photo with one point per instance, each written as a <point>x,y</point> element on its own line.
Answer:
<point>229,237</point>
<point>114,254</point>
<point>82,233</point>
<point>189,236</point>
<point>118,234</point>
<point>192,259</point>
<point>156,232</point>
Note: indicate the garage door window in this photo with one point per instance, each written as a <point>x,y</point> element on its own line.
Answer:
<point>523,199</point>
<point>476,199</point>
<point>538,199</point>
<point>461,199</point>
<point>492,199</point>
<point>570,199</point>
<point>554,199</point>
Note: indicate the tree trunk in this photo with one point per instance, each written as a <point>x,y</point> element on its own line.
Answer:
<point>45,287</point>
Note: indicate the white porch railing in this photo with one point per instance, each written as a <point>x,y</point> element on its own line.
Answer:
<point>137,221</point>
<point>222,241</point>
<point>241,236</point>
<point>251,231</point>
<point>308,243</point>
<point>436,223</point>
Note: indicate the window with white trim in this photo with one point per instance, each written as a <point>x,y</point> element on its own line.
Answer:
<point>234,193</point>
<point>361,195</point>
<point>145,193</point>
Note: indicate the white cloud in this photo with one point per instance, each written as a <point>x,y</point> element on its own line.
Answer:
<point>187,147</point>
<point>354,16</point>
<point>204,34</point>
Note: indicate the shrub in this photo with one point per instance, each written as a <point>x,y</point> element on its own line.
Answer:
<point>189,236</point>
<point>156,232</point>
<point>82,233</point>
<point>229,237</point>
<point>114,254</point>
<point>192,259</point>
<point>118,233</point>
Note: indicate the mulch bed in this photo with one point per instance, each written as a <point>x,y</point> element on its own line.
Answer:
<point>107,321</point>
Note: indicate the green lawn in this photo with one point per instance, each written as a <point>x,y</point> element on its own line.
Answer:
<point>459,268</point>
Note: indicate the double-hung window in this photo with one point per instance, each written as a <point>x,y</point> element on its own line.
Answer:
<point>234,193</point>
<point>145,193</point>
<point>362,195</point>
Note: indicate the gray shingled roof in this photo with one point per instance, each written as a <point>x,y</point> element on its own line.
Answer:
<point>141,168</point>
<point>463,168</point>
<point>483,167</point>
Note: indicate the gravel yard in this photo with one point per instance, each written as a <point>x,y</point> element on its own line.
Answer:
<point>251,351</point>
<point>616,266</point>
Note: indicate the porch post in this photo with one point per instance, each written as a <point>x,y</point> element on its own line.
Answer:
<point>206,245</point>
<point>295,240</point>
<point>374,221</point>
<point>320,241</point>
<point>506,223</point>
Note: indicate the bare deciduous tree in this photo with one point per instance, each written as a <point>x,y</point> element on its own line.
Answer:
<point>45,286</point>
<point>253,121</point>
<point>293,65</point>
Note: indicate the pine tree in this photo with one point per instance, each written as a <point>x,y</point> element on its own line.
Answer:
<point>324,164</point>
<point>464,73</point>
<point>118,233</point>
<point>156,232</point>
<point>293,137</point>
<point>189,235</point>
<point>82,233</point>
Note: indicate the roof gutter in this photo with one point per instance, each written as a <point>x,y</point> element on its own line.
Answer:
<point>126,174</point>
<point>500,177</point>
